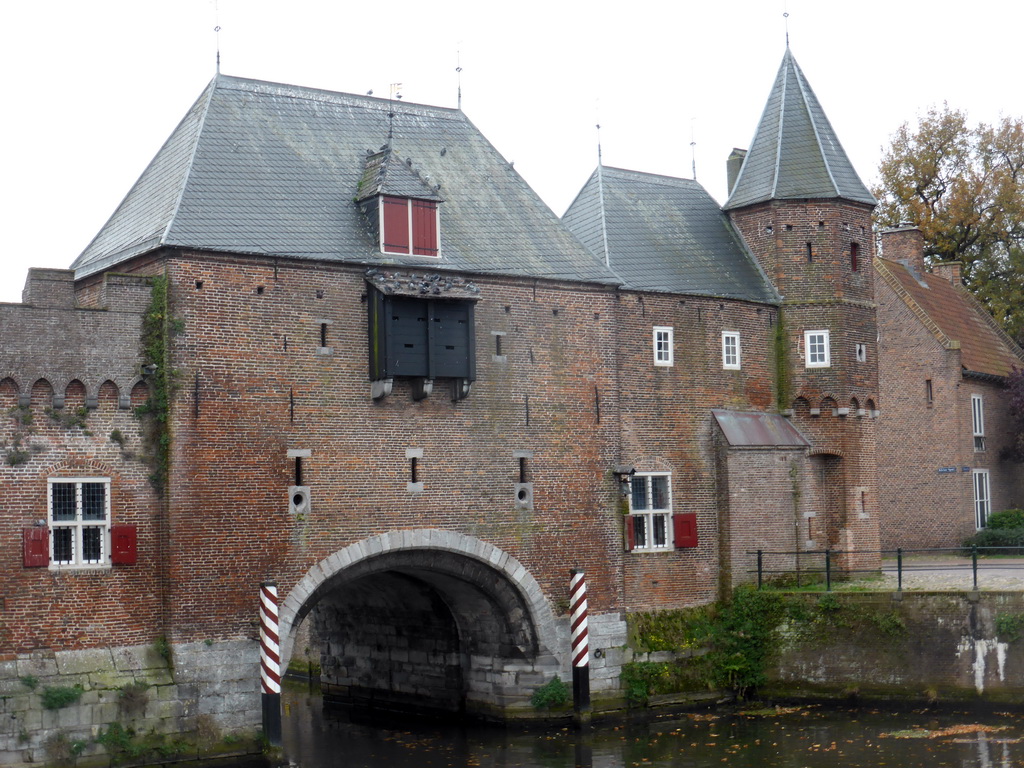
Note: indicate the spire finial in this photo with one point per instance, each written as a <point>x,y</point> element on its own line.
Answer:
<point>396,93</point>
<point>216,31</point>
<point>693,150</point>
<point>458,75</point>
<point>785,17</point>
<point>600,195</point>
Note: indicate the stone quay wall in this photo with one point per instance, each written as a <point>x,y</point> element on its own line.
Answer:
<point>136,704</point>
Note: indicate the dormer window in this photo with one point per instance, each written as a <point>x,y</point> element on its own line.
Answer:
<point>408,226</point>
<point>400,205</point>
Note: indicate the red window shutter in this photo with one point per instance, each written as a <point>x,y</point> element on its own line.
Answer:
<point>123,548</point>
<point>684,529</point>
<point>630,533</point>
<point>424,227</point>
<point>36,547</point>
<point>396,225</point>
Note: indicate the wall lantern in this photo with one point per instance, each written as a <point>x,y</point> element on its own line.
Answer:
<point>624,473</point>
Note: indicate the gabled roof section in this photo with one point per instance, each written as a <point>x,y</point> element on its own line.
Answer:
<point>666,234</point>
<point>386,174</point>
<point>955,318</point>
<point>264,168</point>
<point>795,152</point>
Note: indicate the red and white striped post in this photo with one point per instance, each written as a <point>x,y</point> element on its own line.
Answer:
<point>580,646</point>
<point>270,663</point>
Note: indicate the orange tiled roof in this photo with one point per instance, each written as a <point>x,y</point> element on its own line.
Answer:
<point>983,348</point>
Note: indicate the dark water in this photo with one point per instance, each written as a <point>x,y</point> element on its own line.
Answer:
<point>804,737</point>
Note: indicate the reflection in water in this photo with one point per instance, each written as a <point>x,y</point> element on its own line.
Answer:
<point>797,737</point>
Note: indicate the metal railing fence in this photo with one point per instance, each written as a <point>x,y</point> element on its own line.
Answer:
<point>807,567</point>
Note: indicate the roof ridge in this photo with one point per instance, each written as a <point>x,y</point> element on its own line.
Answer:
<point>652,175</point>
<point>308,93</point>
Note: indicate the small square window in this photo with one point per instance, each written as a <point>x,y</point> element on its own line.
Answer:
<point>816,349</point>
<point>663,345</point>
<point>730,350</point>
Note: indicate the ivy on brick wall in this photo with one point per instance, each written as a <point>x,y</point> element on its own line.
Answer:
<point>782,363</point>
<point>158,327</point>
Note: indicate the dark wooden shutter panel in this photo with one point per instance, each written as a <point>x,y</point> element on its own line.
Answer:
<point>630,533</point>
<point>396,225</point>
<point>424,228</point>
<point>123,548</point>
<point>684,529</point>
<point>36,547</point>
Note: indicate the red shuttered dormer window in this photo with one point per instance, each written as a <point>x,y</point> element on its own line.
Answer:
<point>409,227</point>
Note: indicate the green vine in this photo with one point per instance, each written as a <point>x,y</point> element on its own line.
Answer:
<point>782,363</point>
<point>158,325</point>
<point>19,452</point>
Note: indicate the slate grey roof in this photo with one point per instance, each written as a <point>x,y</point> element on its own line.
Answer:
<point>386,174</point>
<point>666,234</point>
<point>263,168</point>
<point>795,152</point>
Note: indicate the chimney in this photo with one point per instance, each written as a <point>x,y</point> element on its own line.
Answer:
<point>950,270</point>
<point>732,167</point>
<point>904,243</point>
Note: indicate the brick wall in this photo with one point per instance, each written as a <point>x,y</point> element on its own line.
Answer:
<point>67,380</point>
<point>924,447</point>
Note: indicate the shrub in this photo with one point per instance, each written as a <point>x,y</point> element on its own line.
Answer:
<point>998,537</point>
<point>554,693</point>
<point>744,638</point>
<point>1008,518</point>
<point>59,696</point>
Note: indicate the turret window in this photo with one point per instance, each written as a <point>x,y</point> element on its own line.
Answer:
<point>816,349</point>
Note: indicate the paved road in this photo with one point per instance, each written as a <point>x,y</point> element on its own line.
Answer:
<point>948,572</point>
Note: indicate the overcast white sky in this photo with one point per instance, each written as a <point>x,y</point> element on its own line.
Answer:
<point>93,88</point>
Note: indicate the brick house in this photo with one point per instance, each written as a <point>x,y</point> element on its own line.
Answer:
<point>379,372</point>
<point>945,425</point>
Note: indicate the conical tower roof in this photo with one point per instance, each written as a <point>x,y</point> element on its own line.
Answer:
<point>795,152</point>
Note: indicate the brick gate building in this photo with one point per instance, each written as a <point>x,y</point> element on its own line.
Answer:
<point>368,364</point>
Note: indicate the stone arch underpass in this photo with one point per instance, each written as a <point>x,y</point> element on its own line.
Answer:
<point>428,619</point>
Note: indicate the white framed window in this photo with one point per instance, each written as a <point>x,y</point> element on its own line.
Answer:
<point>650,509</point>
<point>978,421</point>
<point>79,517</point>
<point>816,349</point>
<point>730,350</point>
<point>982,498</point>
<point>663,345</point>
<point>861,353</point>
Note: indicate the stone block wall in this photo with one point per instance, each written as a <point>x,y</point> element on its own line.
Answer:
<point>938,646</point>
<point>205,703</point>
